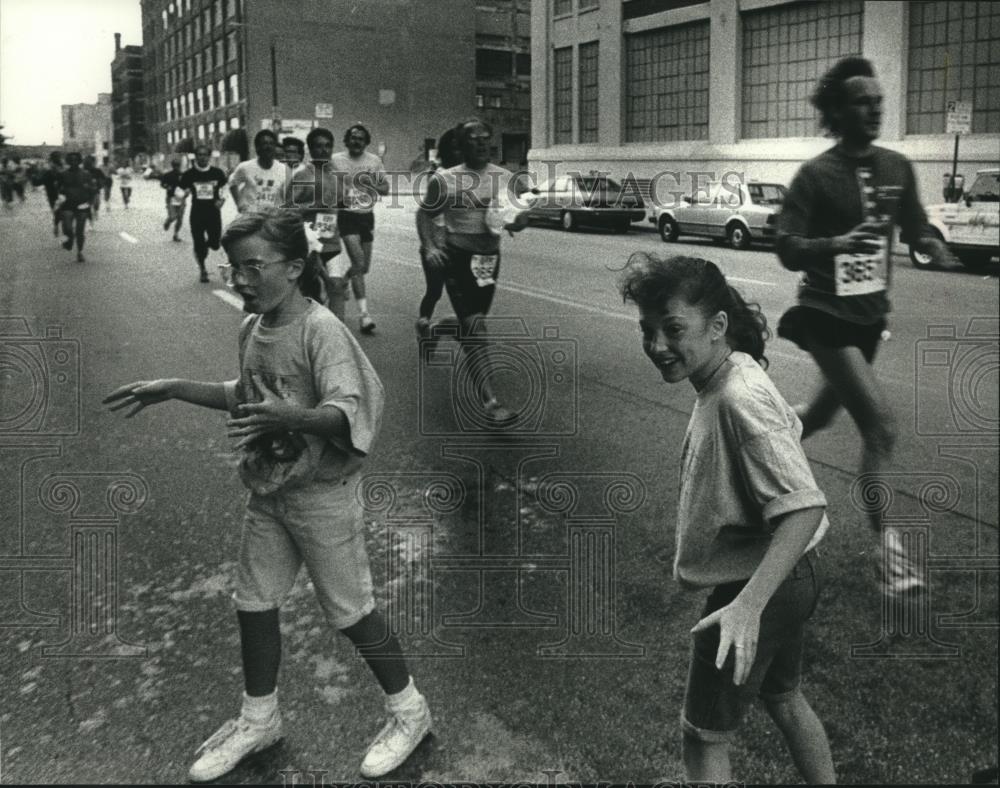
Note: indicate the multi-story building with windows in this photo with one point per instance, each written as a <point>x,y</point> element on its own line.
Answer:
<point>503,76</point>
<point>127,101</point>
<point>217,66</point>
<point>87,127</point>
<point>682,86</point>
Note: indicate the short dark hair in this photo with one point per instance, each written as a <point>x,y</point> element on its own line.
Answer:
<point>264,133</point>
<point>358,127</point>
<point>449,152</point>
<point>318,132</point>
<point>460,133</point>
<point>828,95</point>
<point>296,143</point>
<point>203,146</point>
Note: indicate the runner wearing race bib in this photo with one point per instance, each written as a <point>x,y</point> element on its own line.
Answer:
<point>362,179</point>
<point>465,195</point>
<point>125,173</point>
<point>260,182</point>
<point>205,184</point>
<point>836,228</point>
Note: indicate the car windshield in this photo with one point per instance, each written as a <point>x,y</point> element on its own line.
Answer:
<point>767,193</point>
<point>986,187</point>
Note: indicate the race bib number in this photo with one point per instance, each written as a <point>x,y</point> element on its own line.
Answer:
<point>326,226</point>
<point>858,274</point>
<point>484,267</point>
<point>204,191</point>
<point>357,200</point>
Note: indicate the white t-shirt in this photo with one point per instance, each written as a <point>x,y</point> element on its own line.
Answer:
<point>354,199</point>
<point>125,176</point>
<point>742,467</point>
<point>257,186</point>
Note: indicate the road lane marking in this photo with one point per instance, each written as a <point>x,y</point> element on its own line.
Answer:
<point>751,281</point>
<point>130,238</point>
<point>798,356</point>
<point>230,298</point>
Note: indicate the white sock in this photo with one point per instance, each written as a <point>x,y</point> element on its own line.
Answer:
<point>261,708</point>
<point>363,306</point>
<point>406,697</point>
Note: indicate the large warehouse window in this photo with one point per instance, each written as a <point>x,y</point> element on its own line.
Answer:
<point>562,93</point>
<point>785,51</point>
<point>666,84</point>
<point>953,56</point>
<point>588,92</point>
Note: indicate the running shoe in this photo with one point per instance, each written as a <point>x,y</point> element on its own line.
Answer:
<point>397,739</point>
<point>67,244</point>
<point>899,574</point>
<point>423,328</point>
<point>80,258</point>
<point>204,276</point>
<point>367,324</point>
<point>233,742</point>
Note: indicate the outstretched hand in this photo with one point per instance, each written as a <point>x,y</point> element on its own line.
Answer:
<point>866,238</point>
<point>258,418</point>
<point>140,394</point>
<point>739,628</point>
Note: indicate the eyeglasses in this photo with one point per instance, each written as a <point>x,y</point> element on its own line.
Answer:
<point>249,272</point>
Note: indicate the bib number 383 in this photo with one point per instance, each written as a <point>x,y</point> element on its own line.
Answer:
<point>484,267</point>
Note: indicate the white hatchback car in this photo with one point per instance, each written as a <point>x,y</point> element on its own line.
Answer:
<point>970,227</point>
<point>739,213</point>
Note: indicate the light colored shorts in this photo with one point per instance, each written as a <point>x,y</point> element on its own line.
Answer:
<point>321,525</point>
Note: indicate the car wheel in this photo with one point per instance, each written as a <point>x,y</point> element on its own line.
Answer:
<point>920,260</point>
<point>738,236</point>
<point>668,229</point>
<point>568,221</point>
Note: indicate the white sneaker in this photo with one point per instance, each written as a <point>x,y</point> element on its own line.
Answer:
<point>367,324</point>
<point>900,575</point>
<point>400,737</point>
<point>233,742</point>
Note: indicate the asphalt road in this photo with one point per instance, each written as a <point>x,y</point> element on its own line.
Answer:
<point>529,572</point>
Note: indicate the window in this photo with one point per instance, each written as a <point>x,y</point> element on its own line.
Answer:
<point>562,93</point>
<point>234,88</point>
<point>201,131</point>
<point>523,62</point>
<point>666,84</point>
<point>234,123</point>
<point>493,63</point>
<point>169,109</point>
<point>190,103</point>
<point>562,7</point>
<point>220,93</point>
<point>588,91</point>
<point>206,20</point>
<point>496,102</point>
<point>208,97</point>
<point>230,10</point>
<point>480,101</point>
<point>785,50</point>
<point>586,5</point>
<point>220,49</point>
<point>166,20</point>
<point>231,46</point>
<point>217,8</point>
<point>953,56</point>
<point>196,64</point>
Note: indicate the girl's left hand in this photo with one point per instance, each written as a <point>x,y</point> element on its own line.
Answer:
<point>258,418</point>
<point>739,627</point>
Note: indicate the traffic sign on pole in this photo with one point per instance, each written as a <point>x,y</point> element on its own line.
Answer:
<point>959,117</point>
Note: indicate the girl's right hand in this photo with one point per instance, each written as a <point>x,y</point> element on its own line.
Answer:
<point>140,394</point>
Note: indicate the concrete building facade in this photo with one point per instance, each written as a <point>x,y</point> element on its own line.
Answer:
<point>128,103</point>
<point>679,86</point>
<point>215,66</point>
<point>503,76</point>
<point>88,128</point>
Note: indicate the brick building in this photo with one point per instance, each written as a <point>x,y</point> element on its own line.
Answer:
<point>216,66</point>
<point>127,101</point>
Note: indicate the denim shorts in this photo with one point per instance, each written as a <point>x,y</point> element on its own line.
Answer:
<point>713,705</point>
<point>320,525</point>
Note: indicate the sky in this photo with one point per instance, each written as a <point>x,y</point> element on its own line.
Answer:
<point>55,52</point>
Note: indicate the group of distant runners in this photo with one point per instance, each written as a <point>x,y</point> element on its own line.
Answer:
<point>307,406</point>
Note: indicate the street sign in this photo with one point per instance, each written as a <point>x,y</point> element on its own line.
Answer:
<point>324,110</point>
<point>959,117</point>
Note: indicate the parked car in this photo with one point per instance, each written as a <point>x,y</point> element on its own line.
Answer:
<point>739,213</point>
<point>971,226</point>
<point>575,200</point>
